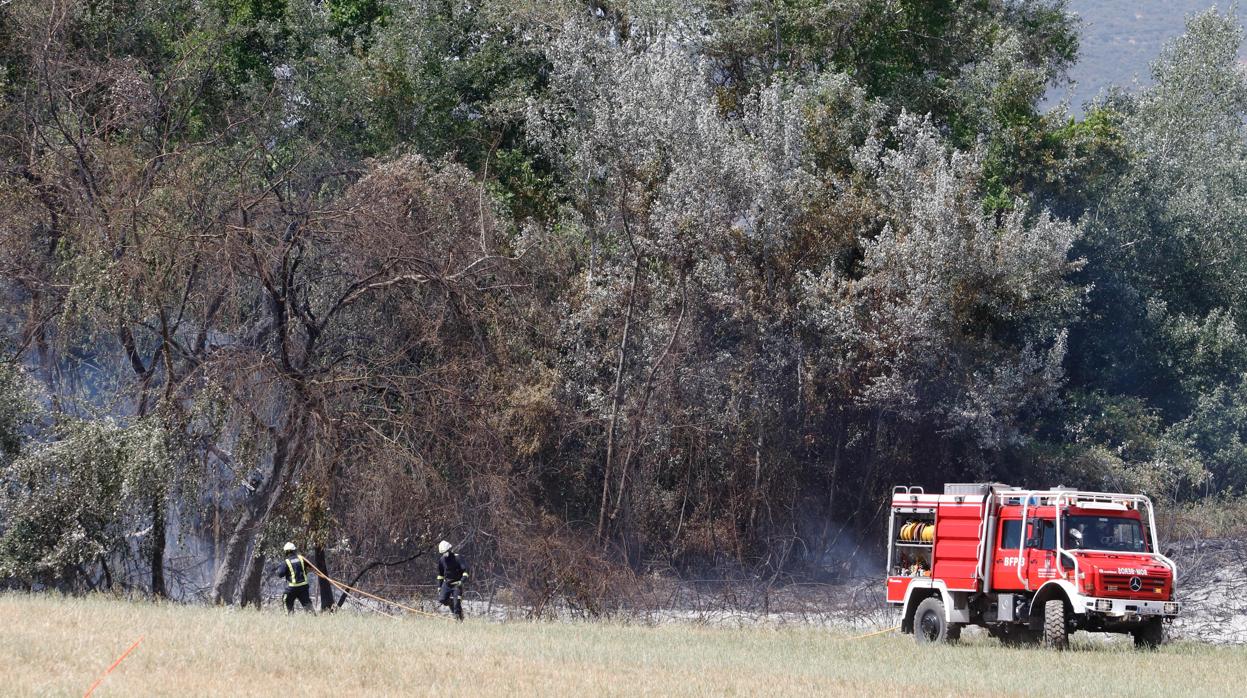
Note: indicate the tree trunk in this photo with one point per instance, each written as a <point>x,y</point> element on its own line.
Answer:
<point>832,478</point>
<point>158,548</point>
<point>108,574</point>
<point>85,577</point>
<point>757,474</point>
<point>254,580</point>
<point>326,589</point>
<point>617,399</point>
<point>255,513</point>
<point>647,392</point>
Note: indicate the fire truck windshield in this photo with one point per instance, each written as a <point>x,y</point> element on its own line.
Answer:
<point>1103,533</point>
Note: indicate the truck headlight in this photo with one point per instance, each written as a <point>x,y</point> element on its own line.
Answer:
<point>1103,605</point>
<point>1171,608</point>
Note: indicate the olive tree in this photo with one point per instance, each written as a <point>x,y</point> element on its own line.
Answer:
<point>82,499</point>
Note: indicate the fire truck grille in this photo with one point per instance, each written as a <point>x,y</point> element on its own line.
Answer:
<point>1134,586</point>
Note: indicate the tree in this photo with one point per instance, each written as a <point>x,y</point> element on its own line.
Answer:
<point>1166,261</point>
<point>79,499</point>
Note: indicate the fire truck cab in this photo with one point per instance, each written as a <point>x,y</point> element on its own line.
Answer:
<point>1030,566</point>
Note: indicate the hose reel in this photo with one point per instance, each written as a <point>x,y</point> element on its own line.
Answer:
<point>918,532</point>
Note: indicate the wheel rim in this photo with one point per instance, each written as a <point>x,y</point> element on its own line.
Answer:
<point>930,625</point>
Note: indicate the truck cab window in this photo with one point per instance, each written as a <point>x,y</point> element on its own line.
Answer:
<point>1010,534</point>
<point>1049,535</point>
<point>1105,533</point>
<point>1042,535</point>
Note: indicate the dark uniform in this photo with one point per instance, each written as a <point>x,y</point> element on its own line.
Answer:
<point>295,573</point>
<point>451,574</point>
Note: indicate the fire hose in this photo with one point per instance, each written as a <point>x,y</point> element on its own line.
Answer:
<point>342,586</point>
<point>877,632</point>
<point>918,532</point>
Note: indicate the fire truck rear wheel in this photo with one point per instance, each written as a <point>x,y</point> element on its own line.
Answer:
<point>1055,625</point>
<point>1150,635</point>
<point>931,624</point>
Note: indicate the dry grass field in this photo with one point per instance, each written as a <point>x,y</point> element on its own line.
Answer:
<point>56,646</point>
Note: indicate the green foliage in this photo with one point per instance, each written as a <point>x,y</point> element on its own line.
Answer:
<point>81,497</point>
<point>706,272</point>
<point>17,409</point>
<point>917,55</point>
<point>255,38</point>
<point>354,20</point>
<point>1078,160</point>
<point>1215,433</point>
<point>146,30</point>
<point>524,186</point>
<point>1118,443</point>
<point>1160,179</point>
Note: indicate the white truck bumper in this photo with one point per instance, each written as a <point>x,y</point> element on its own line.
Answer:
<point>1125,608</point>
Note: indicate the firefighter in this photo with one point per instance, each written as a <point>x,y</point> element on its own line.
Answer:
<point>1075,537</point>
<point>295,574</point>
<point>451,574</point>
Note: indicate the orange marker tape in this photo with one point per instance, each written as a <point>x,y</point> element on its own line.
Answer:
<point>114,666</point>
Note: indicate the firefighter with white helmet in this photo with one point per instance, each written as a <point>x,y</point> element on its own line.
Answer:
<point>1075,537</point>
<point>451,574</point>
<point>294,571</point>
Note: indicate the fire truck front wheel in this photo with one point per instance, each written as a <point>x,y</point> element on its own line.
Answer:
<point>1055,625</point>
<point>931,623</point>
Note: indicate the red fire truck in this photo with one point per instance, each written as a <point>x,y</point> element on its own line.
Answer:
<point>1028,565</point>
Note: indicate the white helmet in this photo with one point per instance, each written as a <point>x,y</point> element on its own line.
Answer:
<point>444,547</point>
<point>289,547</point>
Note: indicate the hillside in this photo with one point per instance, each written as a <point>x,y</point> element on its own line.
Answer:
<point>1119,39</point>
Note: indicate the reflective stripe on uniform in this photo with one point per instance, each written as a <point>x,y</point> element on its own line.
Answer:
<point>292,582</point>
